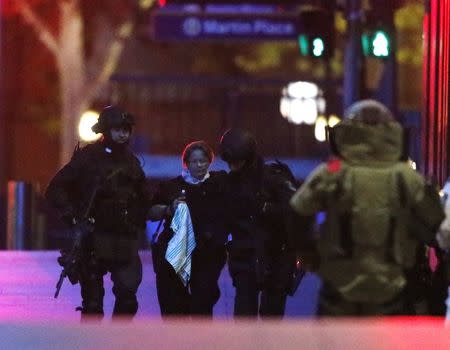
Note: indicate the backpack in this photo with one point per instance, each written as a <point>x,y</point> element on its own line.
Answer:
<point>366,244</point>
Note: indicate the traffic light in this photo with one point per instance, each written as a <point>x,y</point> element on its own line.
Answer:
<point>377,43</point>
<point>312,45</point>
<point>316,36</point>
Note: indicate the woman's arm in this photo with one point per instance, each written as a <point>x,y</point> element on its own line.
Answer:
<point>162,211</point>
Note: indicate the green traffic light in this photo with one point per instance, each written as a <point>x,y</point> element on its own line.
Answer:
<point>311,46</point>
<point>303,44</point>
<point>380,43</point>
<point>318,47</point>
<point>376,43</point>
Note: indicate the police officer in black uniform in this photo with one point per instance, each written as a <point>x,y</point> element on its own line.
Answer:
<point>260,259</point>
<point>109,176</point>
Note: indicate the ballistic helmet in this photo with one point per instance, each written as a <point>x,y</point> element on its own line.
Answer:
<point>237,145</point>
<point>367,133</point>
<point>368,112</point>
<point>112,117</point>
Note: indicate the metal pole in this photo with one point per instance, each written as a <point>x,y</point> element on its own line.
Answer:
<point>3,164</point>
<point>353,60</point>
<point>387,87</point>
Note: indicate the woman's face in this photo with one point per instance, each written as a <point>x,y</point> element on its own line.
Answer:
<point>198,164</point>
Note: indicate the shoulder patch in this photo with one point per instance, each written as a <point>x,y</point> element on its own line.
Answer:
<point>334,165</point>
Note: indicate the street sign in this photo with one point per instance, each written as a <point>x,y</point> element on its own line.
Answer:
<point>175,26</point>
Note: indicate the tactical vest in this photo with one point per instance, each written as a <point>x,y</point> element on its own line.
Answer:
<point>366,245</point>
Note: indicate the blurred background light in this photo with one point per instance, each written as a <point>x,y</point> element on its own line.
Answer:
<point>301,102</point>
<point>87,120</point>
<point>320,129</point>
<point>302,89</point>
<point>333,120</point>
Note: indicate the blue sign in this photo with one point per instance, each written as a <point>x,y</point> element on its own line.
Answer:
<point>217,26</point>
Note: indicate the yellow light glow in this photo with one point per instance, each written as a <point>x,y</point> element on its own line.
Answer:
<point>146,4</point>
<point>87,120</point>
<point>319,129</point>
<point>333,120</point>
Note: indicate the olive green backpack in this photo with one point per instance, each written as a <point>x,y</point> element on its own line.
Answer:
<point>376,218</point>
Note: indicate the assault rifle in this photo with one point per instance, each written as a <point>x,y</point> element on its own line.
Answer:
<point>70,260</point>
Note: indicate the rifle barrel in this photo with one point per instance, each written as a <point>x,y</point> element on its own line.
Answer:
<point>59,283</point>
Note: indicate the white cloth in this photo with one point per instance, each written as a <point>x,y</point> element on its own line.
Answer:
<point>443,235</point>
<point>180,247</point>
<point>186,174</point>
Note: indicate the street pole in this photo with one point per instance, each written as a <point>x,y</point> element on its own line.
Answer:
<point>3,164</point>
<point>353,60</point>
<point>387,87</point>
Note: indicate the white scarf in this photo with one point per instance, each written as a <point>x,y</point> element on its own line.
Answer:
<point>192,180</point>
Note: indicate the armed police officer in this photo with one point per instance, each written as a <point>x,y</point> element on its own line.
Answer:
<point>104,182</point>
<point>260,258</point>
<point>379,211</point>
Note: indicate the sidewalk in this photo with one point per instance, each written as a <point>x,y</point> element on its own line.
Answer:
<point>28,280</point>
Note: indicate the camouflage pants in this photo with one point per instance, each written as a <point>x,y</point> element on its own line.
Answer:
<point>332,304</point>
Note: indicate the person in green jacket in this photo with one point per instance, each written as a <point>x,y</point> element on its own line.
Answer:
<point>379,213</point>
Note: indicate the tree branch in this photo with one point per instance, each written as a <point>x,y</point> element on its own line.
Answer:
<point>42,31</point>
<point>70,4</point>
<point>111,58</point>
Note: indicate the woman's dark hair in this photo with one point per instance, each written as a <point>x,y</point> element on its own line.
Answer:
<point>197,145</point>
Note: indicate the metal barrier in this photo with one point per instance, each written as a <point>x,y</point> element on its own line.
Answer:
<point>22,218</point>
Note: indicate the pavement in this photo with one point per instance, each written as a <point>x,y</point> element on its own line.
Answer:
<point>30,318</point>
<point>28,280</point>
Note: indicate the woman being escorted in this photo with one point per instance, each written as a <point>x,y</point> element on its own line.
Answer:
<point>195,292</point>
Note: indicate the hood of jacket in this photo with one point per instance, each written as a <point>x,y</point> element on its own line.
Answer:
<point>368,144</point>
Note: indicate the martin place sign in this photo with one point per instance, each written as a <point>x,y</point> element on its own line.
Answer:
<point>176,26</point>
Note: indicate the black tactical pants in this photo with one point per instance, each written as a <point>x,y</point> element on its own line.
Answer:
<point>257,292</point>
<point>250,300</point>
<point>126,277</point>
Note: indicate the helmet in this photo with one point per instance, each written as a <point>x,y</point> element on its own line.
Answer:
<point>368,112</point>
<point>112,117</point>
<point>237,145</point>
<point>367,122</point>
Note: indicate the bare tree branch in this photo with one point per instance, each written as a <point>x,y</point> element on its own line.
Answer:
<point>110,59</point>
<point>103,36</point>
<point>71,5</point>
<point>42,31</point>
